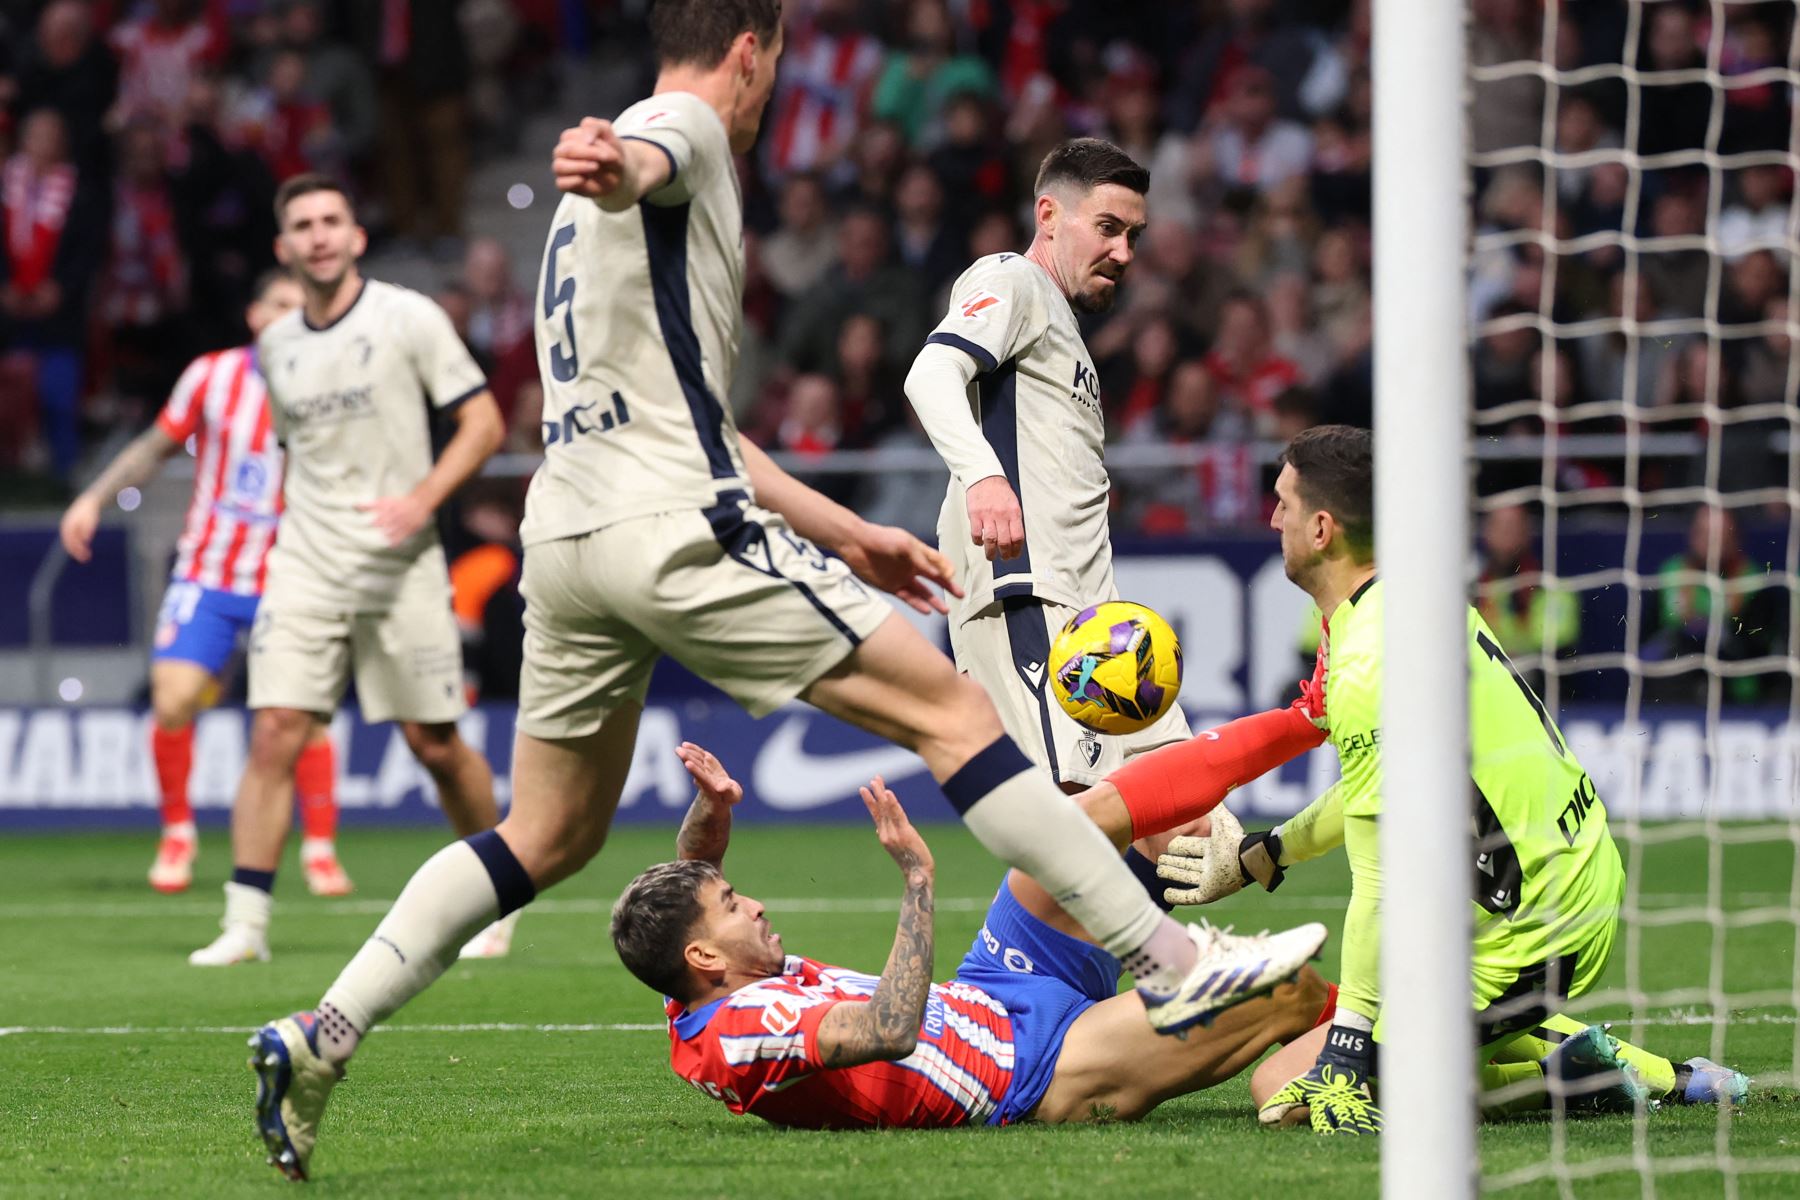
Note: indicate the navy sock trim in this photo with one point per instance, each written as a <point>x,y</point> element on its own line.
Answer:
<point>262,881</point>
<point>1000,761</point>
<point>511,884</point>
<point>1145,870</point>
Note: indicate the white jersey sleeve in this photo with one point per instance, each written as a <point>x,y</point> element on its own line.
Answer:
<point>680,132</point>
<point>445,368</point>
<point>995,311</point>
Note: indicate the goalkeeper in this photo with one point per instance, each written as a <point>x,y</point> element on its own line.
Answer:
<point>1546,877</point>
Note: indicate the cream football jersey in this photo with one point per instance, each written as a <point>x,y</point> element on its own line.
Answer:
<point>350,403</point>
<point>1037,400</point>
<point>638,319</point>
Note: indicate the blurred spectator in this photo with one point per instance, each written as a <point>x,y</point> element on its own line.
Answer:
<point>1343,156</point>
<point>863,281</point>
<point>1756,114</point>
<point>421,78</point>
<point>1509,111</point>
<point>290,127</point>
<point>1713,576</point>
<point>1251,36</point>
<point>1672,116</point>
<point>1295,411</point>
<point>160,53</point>
<point>971,165</point>
<point>67,68</point>
<point>1751,282</point>
<point>1221,489</point>
<point>500,320</point>
<point>144,285</point>
<point>1763,362</point>
<point>828,69</point>
<point>1294,334</point>
<point>1580,130</point>
<point>925,243</point>
<point>797,255</point>
<point>1134,386</point>
<point>1528,619</point>
<point>484,590</point>
<point>811,423</point>
<point>224,205</point>
<point>54,215</point>
<point>1244,364</point>
<point>1679,276</point>
<point>1606,358</point>
<point>869,385</point>
<point>336,78</point>
<point>876,159</point>
<point>1502,362</point>
<point>1249,145</point>
<point>917,83</point>
<point>1759,216</point>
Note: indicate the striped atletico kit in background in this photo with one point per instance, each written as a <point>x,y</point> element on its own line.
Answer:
<point>221,404</point>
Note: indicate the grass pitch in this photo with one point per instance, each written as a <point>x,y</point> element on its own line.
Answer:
<point>546,1074</point>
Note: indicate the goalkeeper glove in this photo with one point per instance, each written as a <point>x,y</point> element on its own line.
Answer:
<point>1221,863</point>
<point>1337,1095</point>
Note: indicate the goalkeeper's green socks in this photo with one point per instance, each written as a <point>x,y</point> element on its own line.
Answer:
<point>1522,1059</point>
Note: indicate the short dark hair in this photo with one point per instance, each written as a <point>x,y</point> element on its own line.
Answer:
<point>652,919</point>
<point>1336,469</point>
<point>305,184</point>
<point>700,32</point>
<point>1087,163</point>
<point>269,279</point>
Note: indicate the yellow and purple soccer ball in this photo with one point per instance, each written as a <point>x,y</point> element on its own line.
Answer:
<point>1116,667</point>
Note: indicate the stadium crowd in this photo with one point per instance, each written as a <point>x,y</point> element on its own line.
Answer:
<point>142,141</point>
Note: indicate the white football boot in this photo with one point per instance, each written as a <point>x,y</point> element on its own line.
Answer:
<point>246,930</point>
<point>293,1082</point>
<point>1231,969</point>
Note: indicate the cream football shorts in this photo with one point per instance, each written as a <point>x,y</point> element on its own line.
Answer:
<point>1006,649</point>
<point>730,592</point>
<point>407,661</point>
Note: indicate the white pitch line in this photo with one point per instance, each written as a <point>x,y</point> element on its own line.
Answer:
<point>479,1027</point>
<point>1666,1019</point>
<point>369,906</point>
<point>372,907</point>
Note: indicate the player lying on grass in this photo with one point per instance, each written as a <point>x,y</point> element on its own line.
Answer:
<point>1030,1027</point>
<point>1547,880</point>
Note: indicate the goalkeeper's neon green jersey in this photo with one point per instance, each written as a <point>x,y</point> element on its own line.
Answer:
<point>1546,872</point>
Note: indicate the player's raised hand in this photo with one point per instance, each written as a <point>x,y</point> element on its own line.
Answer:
<point>397,517</point>
<point>78,526</point>
<point>709,775</point>
<point>899,563</point>
<point>898,837</point>
<point>589,159</point>
<point>996,523</point>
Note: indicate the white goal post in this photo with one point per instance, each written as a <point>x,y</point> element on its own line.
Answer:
<point>1421,532</point>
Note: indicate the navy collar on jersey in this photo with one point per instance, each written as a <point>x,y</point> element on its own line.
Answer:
<point>694,1020</point>
<point>362,286</point>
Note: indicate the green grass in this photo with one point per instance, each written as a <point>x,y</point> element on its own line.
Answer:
<point>165,1110</point>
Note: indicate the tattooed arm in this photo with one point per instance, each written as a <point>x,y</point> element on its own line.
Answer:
<point>706,830</point>
<point>887,1027</point>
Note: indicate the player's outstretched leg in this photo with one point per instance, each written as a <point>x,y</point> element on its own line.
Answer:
<point>898,685</point>
<point>259,823</point>
<point>465,785</point>
<point>564,795</point>
<point>315,794</point>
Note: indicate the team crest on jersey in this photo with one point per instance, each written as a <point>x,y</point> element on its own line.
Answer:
<point>781,1017</point>
<point>1088,748</point>
<point>251,480</point>
<point>980,302</point>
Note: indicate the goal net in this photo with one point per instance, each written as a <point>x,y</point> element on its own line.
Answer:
<point>1634,302</point>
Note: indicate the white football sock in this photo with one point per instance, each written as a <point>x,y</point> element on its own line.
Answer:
<point>246,905</point>
<point>449,900</point>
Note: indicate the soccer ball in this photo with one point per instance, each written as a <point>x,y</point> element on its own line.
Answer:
<point>1116,667</point>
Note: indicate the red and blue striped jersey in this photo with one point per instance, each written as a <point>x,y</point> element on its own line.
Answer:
<point>757,1051</point>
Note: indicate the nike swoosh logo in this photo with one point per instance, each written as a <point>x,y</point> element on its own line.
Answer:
<point>789,778</point>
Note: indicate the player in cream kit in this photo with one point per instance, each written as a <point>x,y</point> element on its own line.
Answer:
<point>1007,393</point>
<point>356,581</point>
<point>652,529</point>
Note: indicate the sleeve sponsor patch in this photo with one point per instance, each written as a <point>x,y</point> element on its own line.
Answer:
<point>973,306</point>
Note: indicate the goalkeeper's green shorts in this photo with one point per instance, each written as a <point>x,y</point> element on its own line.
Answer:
<point>1509,1000</point>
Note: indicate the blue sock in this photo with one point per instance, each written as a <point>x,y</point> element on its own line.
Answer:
<point>262,881</point>
<point>511,884</point>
